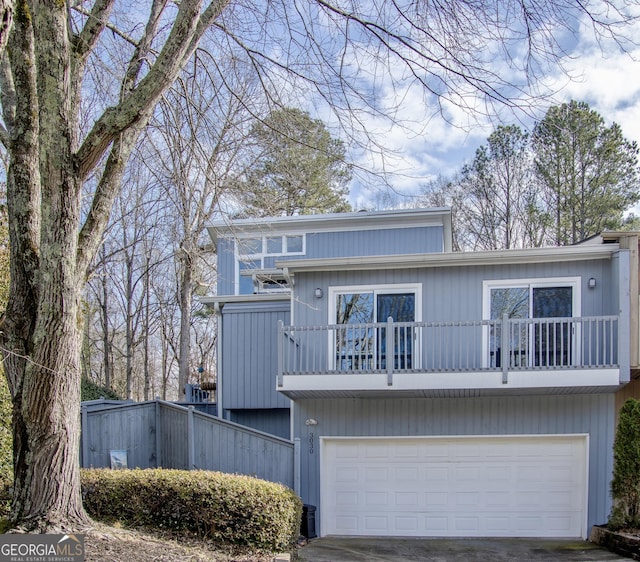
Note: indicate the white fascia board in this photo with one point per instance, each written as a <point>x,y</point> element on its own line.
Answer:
<point>478,380</point>
<point>455,259</point>
<point>221,300</point>
<point>334,222</point>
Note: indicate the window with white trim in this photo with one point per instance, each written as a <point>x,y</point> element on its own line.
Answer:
<point>251,254</point>
<point>535,310</point>
<point>361,346</point>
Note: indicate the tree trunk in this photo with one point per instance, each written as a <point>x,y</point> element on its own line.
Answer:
<point>186,291</point>
<point>106,344</point>
<point>129,344</point>
<point>147,374</point>
<point>40,330</point>
<point>46,387</point>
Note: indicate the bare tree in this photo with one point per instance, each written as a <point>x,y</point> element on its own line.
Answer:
<point>500,204</point>
<point>318,47</point>
<point>445,192</point>
<point>195,140</point>
<point>572,179</point>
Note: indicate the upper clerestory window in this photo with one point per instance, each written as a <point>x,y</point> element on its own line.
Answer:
<point>257,253</point>
<point>271,245</point>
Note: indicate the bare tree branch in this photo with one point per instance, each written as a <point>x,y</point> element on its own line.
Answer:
<point>185,33</point>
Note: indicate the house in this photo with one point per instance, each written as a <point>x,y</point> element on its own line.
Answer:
<point>431,392</point>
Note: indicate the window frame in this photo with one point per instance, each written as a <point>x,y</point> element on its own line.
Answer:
<point>530,283</point>
<point>260,256</point>
<point>375,289</point>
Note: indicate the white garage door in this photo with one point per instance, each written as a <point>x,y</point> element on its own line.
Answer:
<point>516,486</point>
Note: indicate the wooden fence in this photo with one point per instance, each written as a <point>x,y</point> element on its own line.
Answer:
<point>161,434</point>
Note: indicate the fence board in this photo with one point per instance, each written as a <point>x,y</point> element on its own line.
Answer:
<point>129,427</point>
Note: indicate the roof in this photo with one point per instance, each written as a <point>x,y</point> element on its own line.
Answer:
<point>609,236</point>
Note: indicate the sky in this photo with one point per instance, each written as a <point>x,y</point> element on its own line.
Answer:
<point>602,75</point>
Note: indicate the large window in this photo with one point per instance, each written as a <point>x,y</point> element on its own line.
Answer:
<point>548,340</point>
<point>252,254</point>
<point>358,343</point>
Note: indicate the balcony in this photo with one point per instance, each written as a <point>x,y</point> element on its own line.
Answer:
<point>450,358</point>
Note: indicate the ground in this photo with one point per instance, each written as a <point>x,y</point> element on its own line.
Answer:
<point>111,544</point>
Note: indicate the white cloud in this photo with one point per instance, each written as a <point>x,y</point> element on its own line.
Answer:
<point>427,138</point>
<point>610,84</point>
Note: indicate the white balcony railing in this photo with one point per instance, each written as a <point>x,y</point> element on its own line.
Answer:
<point>422,347</point>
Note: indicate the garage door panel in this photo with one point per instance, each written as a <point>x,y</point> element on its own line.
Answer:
<point>375,474</point>
<point>490,487</point>
<point>406,499</point>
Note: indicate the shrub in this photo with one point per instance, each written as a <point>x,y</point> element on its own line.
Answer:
<point>229,509</point>
<point>89,390</point>
<point>625,486</point>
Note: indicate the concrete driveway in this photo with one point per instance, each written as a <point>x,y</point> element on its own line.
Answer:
<point>447,550</point>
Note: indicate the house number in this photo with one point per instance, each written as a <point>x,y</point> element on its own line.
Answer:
<point>311,443</point>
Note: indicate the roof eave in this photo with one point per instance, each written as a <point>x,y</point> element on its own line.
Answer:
<point>455,259</point>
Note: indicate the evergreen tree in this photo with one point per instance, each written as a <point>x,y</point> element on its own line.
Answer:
<point>298,168</point>
<point>625,486</point>
<point>588,172</point>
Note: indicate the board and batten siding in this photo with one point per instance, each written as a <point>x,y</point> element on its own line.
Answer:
<point>384,242</point>
<point>233,448</point>
<point>456,293</point>
<point>250,355</point>
<point>276,421</point>
<point>225,267</point>
<point>592,414</point>
<point>173,445</point>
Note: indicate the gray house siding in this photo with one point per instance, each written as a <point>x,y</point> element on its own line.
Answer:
<point>276,421</point>
<point>592,414</point>
<point>249,361</point>
<point>225,266</point>
<point>375,242</point>
<point>390,241</point>
<point>456,293</point>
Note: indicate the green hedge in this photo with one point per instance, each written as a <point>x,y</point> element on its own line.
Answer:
<point>229,509</point>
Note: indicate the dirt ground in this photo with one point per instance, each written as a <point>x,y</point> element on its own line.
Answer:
<point>111,544</point>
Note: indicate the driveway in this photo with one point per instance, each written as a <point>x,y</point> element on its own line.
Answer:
<point>448,550</point>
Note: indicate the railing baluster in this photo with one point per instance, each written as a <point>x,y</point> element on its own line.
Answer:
<point>390,348</point>
<point>611,345</point>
